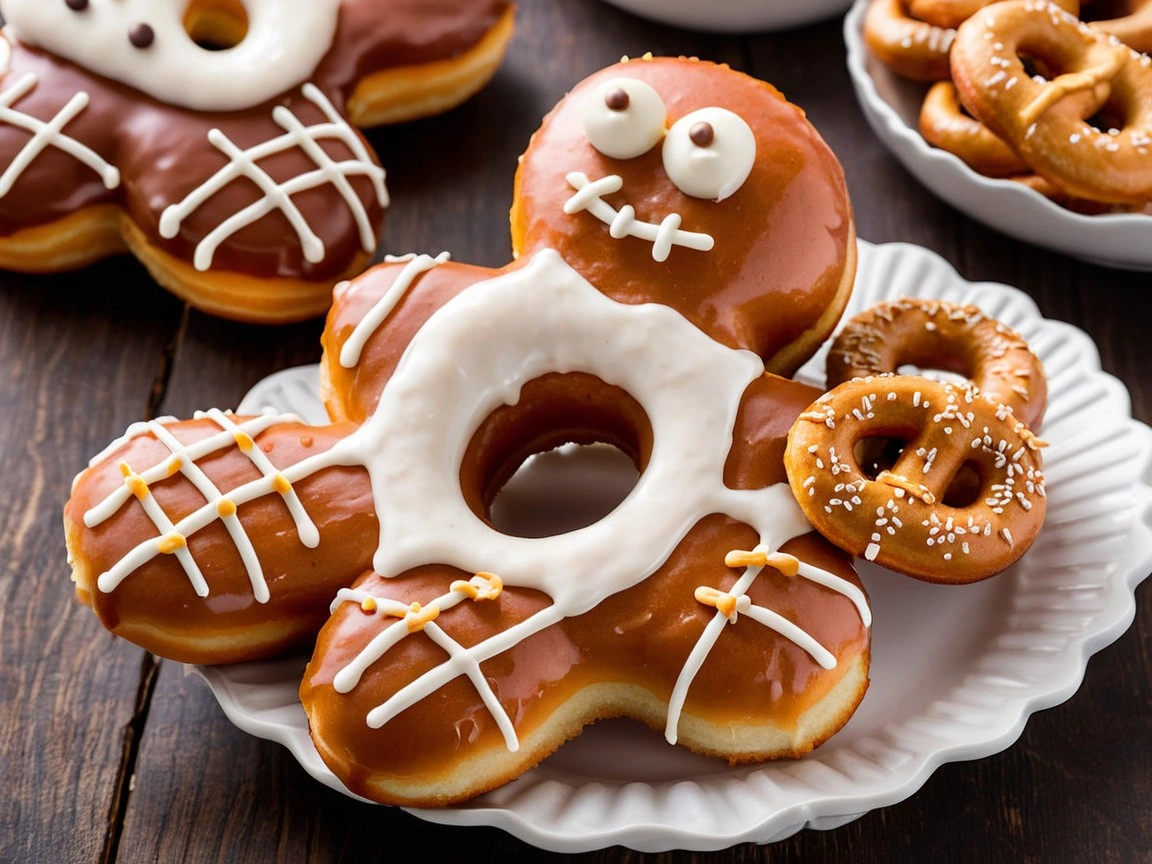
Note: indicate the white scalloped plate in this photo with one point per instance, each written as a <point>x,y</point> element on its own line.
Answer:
<point>891,105</point>
<point>956,671</point>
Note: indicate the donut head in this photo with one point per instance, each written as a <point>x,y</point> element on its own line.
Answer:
<point>689,184</point>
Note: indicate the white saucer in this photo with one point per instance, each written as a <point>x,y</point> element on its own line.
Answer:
<point>956,671</point>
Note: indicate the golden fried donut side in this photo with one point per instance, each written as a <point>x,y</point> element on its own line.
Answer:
<point>158,173</point>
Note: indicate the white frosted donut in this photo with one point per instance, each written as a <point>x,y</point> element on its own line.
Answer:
<point>285,41</point>
<point>657,356</point>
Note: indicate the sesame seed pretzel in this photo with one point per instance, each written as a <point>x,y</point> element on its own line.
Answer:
<point>914,37</point>
<point>910,46</point>
<point>1045,121</point>
<point>905,517</point>
<point>936,334</point>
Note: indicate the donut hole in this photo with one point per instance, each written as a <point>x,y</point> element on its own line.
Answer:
<point>879,453</point>
<point>1037,68</point>
<point>966,487</point>
<point>1109,119</point>
<point>216,25</point>
<point>560,459</point>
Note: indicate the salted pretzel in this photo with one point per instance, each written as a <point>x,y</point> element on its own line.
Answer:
<point>914,37</point>
<point>944,124</point>
<point>1133,27</point>
<point>945,13</point>
<point>679,228</point>
<point>905,517</point>
<point>236,176</point>
<point>909,46</point>
<point>1046,122</point>
<point>937,334</point>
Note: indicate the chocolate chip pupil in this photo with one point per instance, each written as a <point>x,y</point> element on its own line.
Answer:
<point>702,134</point>
<point>617,99</point>
<point>76,5</point>
<point>141,35</point>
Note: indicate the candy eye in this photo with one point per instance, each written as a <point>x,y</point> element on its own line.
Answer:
<point>709,153</point>
<point>624,118</point>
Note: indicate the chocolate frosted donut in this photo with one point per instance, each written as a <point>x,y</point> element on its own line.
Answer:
<point>235,175</point>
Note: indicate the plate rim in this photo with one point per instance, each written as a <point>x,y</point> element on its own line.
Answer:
<point>1058,683</point>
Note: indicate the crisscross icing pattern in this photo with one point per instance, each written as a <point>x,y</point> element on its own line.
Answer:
<point>48,134</point>
<point>482,586</point>
<point>183,458</point>
<point>734,602</point>
<point>278,196</point>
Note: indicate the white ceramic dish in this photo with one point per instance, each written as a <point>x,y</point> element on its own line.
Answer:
<point>943,689</point>
<point>734,16</point>
<point>892,106</point>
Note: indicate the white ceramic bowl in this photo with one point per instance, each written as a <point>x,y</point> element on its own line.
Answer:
<point>943,689</point>
<point>733,16</point>
<point>892,106</point>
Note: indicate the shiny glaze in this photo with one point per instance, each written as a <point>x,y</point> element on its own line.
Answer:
<point>641,636</point>
<point>163,152</point>
<point>352,394</point>
<point>301,580</point>
<point>783,241</point>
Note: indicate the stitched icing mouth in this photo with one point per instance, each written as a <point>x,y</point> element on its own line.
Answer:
<point>623,222</point>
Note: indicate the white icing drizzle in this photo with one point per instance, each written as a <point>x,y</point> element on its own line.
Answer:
<point>540,318</point>
<point>183,459</point>
<point>623,223</point>
<point>285,42</point>
<point>278,196</point>
<point>50,134</point>
<point>370,323</point>
<point>460,659</point>
<point>135,430</point>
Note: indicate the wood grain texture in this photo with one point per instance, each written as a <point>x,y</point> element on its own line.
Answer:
<point>79,356</point>
<point>80,364</point>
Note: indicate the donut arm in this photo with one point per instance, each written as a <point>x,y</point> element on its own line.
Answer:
<point>156,605</point>
<point>351,391</point>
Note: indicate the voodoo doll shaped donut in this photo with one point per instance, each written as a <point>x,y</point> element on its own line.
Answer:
<point>215,139</point>
<point>680,229</point>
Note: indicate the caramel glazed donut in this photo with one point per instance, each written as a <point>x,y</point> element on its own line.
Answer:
<point>694,215</point>
<point>235,176</point>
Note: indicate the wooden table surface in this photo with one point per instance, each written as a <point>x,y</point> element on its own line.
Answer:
<point>111,755</point>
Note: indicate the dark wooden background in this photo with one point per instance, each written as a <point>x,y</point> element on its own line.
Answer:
<point>108,755</point>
